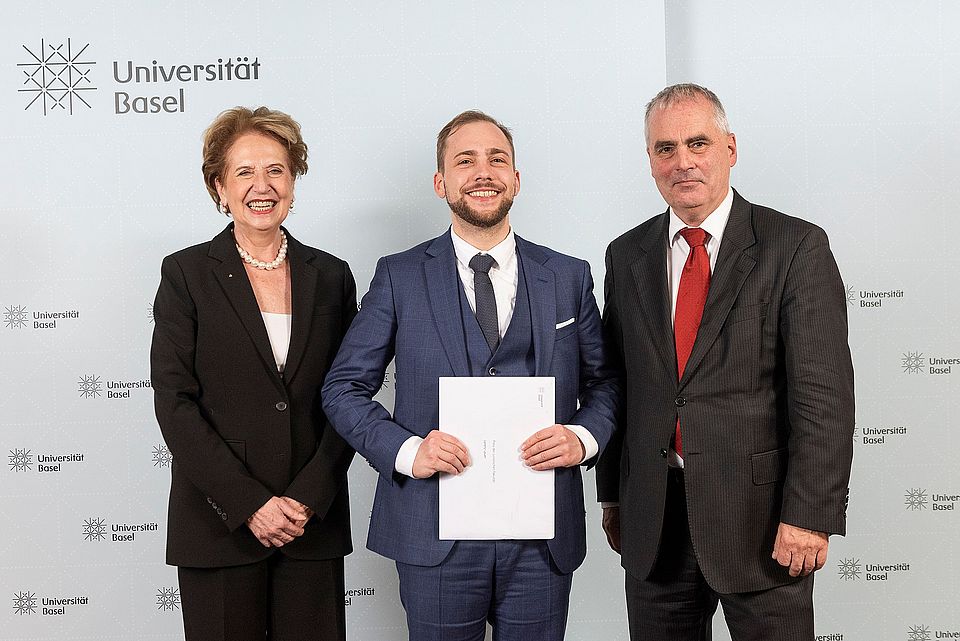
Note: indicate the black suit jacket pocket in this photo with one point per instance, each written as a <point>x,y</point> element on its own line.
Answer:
<point>769,467</point>
<point>742,313</point>
<point>239,448</point>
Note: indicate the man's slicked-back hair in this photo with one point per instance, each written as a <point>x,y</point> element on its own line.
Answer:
<point>682,93</point>
<point>465,118</point>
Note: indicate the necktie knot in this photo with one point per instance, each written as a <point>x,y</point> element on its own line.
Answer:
<point>482,263</point>
<point>694,236</point>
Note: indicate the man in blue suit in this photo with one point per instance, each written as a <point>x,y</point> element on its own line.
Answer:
<point>476,301</point>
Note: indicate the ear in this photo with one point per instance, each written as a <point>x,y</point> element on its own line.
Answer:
<point>219,186</point>
<point>438,187</point>
<point>732,146</point>
<point>517,179</point>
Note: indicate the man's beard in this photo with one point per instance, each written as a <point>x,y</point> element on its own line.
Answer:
<point>464,212</point>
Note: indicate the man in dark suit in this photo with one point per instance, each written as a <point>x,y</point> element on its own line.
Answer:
<point>476,301</point>
<point>730,467</point>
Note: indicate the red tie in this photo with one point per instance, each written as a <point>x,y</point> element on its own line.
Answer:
<point>691,295</point>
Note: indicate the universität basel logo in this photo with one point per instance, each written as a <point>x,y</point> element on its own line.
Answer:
<point>21,460</point>
<point>56,75</point>
<point>161,456</point>
<point>918,633</point>
<point>849,569</point>
<point>915,499</point>
<point>94,529</point>
<point>24,602</point>
<point>15,316</point>
<point>168,599</point>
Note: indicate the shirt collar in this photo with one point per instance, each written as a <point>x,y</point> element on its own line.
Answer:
<point>503,252</point>
<point>713,224</point>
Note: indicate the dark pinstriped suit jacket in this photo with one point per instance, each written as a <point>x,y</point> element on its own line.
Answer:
<point>766,400</point>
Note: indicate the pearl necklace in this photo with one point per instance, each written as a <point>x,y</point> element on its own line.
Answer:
<point>259,264</point>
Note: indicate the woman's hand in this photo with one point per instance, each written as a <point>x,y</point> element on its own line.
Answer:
<point>276,523</point>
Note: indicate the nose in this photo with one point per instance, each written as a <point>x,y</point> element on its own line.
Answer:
<point>260,183</point>
<point>685,158</point>
<point>482,170</point>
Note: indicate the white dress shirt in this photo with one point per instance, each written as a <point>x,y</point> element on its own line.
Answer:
<point>677,252</point>
<point>504,275</point>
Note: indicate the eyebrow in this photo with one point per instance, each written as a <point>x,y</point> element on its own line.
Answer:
<point>695,138</point>
<point>251,165</point>
<point>492,151</point>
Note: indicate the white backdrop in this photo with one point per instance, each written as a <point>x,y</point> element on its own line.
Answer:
<point>844,116</point>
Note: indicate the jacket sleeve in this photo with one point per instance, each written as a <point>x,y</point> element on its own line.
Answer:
<point>820,398</point>
<point>319,481</point>
<point>357,375</point>
<point>608,467</point>
<point>599,390</point>
<point>198,450</point>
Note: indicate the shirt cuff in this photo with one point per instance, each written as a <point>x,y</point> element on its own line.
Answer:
<point>590,446</point>
<point>406,455</point>
<point>606,504</point>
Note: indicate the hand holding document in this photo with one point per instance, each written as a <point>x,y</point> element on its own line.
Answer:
<point>497,496</point>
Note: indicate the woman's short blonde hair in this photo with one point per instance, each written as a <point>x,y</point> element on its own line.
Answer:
<point>233,123</point>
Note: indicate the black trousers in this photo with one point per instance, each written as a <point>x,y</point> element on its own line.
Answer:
<point>676,603</point>
<point>279,598</point>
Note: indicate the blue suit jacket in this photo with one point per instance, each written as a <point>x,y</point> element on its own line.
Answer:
<point>412,313</point>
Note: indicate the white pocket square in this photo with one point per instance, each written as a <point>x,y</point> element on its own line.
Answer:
<point>566,322</point>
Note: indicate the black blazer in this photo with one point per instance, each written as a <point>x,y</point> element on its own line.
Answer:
<point>765,403</point>
<point>238,431</point>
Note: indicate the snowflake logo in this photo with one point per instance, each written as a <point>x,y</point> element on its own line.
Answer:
<point>918,633</point>
<point>915,499</point>
<point>161,456</point>
<point>168,599</point>
<point>851,295</point>
<point>90,386</point>
<point>150,313</point>
<point>849,569</point>
<point>912,362</point>
<point>21,460</point>
<point>56,77</point>
<point>94,529</point>
<point>24,602</point>
<point>15,316</point>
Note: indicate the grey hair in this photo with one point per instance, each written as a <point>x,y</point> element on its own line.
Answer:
<point>681,93</point>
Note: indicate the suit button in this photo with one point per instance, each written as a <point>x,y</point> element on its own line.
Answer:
<point>663,452</point>
<point>680,401</point>
<point>281,406</point>
<point>492,371</point>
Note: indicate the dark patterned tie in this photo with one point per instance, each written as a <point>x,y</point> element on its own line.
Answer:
<point>486,301</point>
<point>691,296</point>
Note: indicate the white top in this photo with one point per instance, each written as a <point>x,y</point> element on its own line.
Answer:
<point>504,277</point>
<point>278,329</point>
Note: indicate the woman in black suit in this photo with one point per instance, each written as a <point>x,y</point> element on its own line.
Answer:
<point>247,325</point>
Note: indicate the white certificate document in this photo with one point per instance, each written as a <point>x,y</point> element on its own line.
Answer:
<point>497,496</point>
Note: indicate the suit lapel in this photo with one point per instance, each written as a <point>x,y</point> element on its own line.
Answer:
<point>734,264</point>
<point>542,292</point>
<point>649,271</point>
<point>303,287</point>
<point>232,277</point>
<point>443,292</point>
